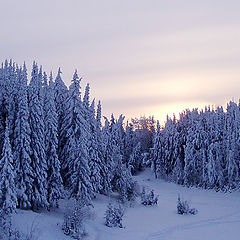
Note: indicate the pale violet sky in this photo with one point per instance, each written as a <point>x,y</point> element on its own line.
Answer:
<point>149,57</point>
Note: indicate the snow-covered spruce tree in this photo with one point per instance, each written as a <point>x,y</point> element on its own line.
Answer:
<point>90,126</point>
<point>164,157</point>
<point>108,157</point>
<point>75,166</point>
<point>3,110</point>
<point>177,174</point>
<point>8,195</point>
<point>123,183</point>
<point>212,175</point>
<point>156,151</point>
<point>221,148</point>
<point>10,94</point>
<point>60,98</point>
<point>22,151</point>
<point>95,163</point>
<point>130,142</point>
<point>55,183</point>
<point>38,156</point>
<point>190,169</point>
<point>112,150</point>
<point>105,180</point>
<point>135,161</point>
<point>121,179</point>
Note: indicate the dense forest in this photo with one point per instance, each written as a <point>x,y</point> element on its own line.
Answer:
<point>52,141</point>
<point>201,148</point>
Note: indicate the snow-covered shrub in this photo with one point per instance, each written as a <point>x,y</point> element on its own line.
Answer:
<point>114,216</point>
<point>74,218</point>
<point>148,198</point>
<point>184,209</point>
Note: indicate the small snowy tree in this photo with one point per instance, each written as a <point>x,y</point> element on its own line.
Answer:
<point>184,209</point>
<point>74,217</point>
<point>114,216</point>
<point>148,198</point>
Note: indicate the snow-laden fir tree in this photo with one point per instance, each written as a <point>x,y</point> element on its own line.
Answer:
<point>135,161</point>
<point>108,157</point>
<point>121,179</point>
<point>95,162</point>
<point>112,149</point>
<point>2,107</point>
<point>60,98</point>
<point>156,152</point>
<point>10,78</point>
<point>75,151</point>
<point>22,150</point>
<point>91,136</point>
<point>38,156</point>
<point>55,183</point>
<point>130,142</point>
<point>105,180</point>
<point>8,194</point>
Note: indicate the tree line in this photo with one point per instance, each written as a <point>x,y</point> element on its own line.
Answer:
<point>201,148</point>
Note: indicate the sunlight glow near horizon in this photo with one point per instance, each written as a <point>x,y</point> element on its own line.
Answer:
<point>140,57</point>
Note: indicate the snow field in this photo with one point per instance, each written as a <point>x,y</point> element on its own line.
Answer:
<point>218,217</point>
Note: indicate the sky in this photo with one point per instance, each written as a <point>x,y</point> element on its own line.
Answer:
<point>141,57</point>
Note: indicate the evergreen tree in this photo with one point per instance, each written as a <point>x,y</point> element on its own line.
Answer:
<point>10,97</point>
<point>22,150</point>
<point>130,142</point>
<point>2,107</point>
<point>135,161</point>
<point>76,170</point>
<point>8,198</point>
<point>55,184</point>
<point>107,149</point>
<point>105,180</point>
<point>94,160</point>
<point>157,152</point>
<point>38,156</point>
<point>60,98</point>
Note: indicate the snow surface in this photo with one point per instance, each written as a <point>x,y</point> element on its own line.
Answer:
<point>218,217</point>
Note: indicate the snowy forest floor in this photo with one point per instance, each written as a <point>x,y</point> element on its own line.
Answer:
<point>218,216</point>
